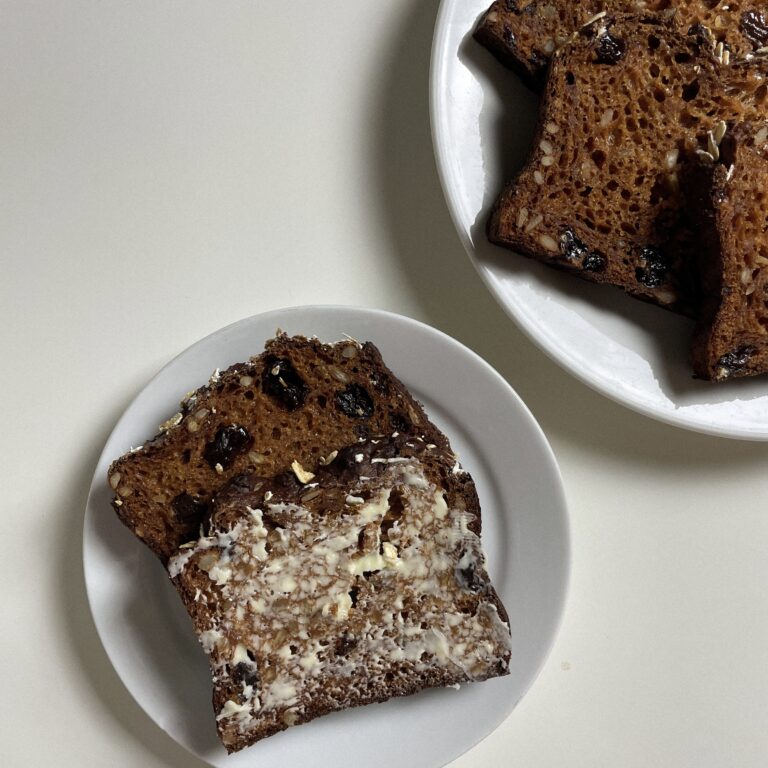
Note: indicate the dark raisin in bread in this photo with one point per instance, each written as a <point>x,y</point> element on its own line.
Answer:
<point>731,337</point>
<point>367,583</point>
<point>626,106</point>
<point>298,401</point>
<point>523,35</point>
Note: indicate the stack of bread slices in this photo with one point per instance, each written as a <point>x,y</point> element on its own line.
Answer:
<point>649,168</point>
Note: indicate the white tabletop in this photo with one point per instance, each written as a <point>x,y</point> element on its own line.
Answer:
<point>170,167</point>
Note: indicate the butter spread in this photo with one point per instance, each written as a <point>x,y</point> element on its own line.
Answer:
<point>300,597</point>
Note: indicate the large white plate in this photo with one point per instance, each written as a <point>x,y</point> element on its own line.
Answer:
<point>483,120</point>
<point>149,638</point>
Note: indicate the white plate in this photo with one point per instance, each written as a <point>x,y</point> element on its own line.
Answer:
<point>483,120</point>
<point>149,638</point>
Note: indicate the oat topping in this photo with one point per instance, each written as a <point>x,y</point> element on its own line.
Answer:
<point>174,421</point>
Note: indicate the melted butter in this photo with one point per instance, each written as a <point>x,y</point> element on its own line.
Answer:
<point>287,583</point>
<point>220,574</point>
<point>374,510</point>
<point>281,692</point>
<point>309,661</point>
<point>371,562</point>
<point>231,708</point>
<point>240,655</point>
<point>210,639</point>
<point>436,643</point>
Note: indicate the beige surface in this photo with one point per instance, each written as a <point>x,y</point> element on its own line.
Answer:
<point>170,167</point>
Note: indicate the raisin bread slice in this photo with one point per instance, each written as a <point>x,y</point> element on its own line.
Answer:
<point>627,105</point>
<point>367,583</point>
<point>731,337</point>
<point>524,35</point>
<point>298,401</point>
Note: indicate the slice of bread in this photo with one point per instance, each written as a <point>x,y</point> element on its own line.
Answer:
<point>367,582</point>
<point>298,401</point>
<point>731,337</point>
<point>627,105</point>
<point>523,35</point>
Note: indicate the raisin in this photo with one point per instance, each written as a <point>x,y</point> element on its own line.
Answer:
<point>593,262</point>
<point>699,32</point>
<point>511,5</point>
<point>571,247</point>
<point>609,49</point>
<point>245,674</point>
<point>508,36</point>
<point>355,402</point>
<point>228,443</point>
<point>189,510</point>
<point>468,576</point>
<point>399,422</point>
<point>575,250</point>
<point>281,381</point>
<point>754,26</point>
<point>344,644</point>
<point>735,360</point>
<point>379,382</point>
<point>656,266</point>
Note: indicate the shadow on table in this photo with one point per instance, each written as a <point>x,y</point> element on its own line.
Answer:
<point>77,624</point>
<point>453,298</point>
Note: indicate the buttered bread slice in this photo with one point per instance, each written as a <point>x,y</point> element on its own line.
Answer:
<point>312,594</point>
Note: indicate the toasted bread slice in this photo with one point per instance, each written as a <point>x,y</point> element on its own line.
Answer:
<point>627,106</point>
<point>524,34</point>
<point>731,337</point>
<point>366,583</point>
<point>298,401</point>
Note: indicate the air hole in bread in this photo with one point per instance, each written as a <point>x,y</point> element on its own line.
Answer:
<point>691,90</point>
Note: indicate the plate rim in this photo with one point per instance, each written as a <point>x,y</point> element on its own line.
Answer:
<point>524,321</point>
<point>560,509</point>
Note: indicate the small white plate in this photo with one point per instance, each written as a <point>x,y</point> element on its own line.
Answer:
<point>483,119</point>
<point>149,637</point>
